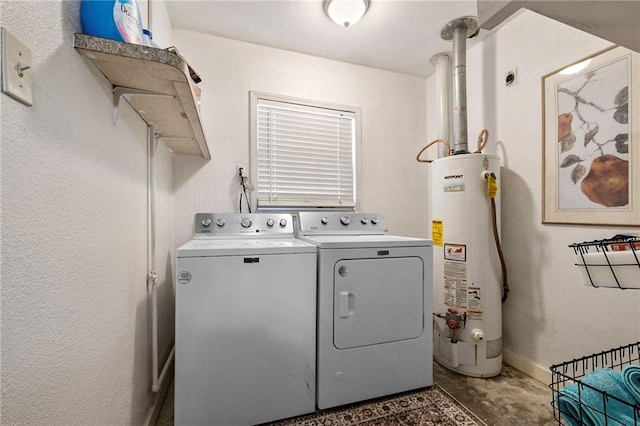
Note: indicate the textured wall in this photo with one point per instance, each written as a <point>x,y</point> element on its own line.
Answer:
<point>393,126</point>
<point>549,317</point>
<point>75,313</point>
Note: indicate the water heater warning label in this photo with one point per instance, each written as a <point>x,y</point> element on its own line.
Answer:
<point>455,284</point>
<point>437,228</point>
<point>455,252</point>
<point>475,303</point>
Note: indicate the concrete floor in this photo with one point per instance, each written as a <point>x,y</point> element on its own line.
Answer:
<point>512,398</point>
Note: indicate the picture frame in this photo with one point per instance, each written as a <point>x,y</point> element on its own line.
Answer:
<point>591,140</point>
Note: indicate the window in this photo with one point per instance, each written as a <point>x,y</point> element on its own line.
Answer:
<point>303,153</point>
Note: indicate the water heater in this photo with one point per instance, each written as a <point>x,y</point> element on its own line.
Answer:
<point>467,289</point>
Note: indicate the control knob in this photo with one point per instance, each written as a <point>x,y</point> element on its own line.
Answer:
<point>270,222</point>
<point>324,220</point>
<point>374,220</point>
<point>345,220</point>
<point>245,222</point>
<point>364,220</point>
<point>220,222</point>
<point>283,223</point>
<point>206,222</point>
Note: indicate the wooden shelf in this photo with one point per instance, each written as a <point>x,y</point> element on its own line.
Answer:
<point>158,85</point>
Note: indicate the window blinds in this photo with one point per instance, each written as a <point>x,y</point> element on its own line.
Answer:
<point>304,156</point>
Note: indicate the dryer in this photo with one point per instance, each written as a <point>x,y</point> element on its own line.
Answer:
<point>245,322</point>
<point>374,308</point>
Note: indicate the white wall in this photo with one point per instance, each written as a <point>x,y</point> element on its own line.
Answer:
<point>75,311</point>
<point>549,317</point>
<point>160,24</point>
<point>393,126</point>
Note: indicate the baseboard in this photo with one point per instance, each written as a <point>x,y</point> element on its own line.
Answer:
<point>160,396</point>
<point>541,374</point>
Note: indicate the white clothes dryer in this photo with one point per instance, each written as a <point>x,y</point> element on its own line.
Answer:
<point>245,322</point>
<point>374,308</point>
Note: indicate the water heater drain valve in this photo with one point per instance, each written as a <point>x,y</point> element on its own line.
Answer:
<point>477,334</point>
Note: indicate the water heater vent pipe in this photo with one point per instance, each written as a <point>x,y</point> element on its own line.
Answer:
<point>458,31</point>
<point>442,62</point>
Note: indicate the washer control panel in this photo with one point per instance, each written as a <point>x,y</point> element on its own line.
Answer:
<point>339,223</point>
<point>243,224</point>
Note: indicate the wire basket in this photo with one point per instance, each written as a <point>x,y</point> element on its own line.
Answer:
<point>612,262</point>
<point>590,401</point>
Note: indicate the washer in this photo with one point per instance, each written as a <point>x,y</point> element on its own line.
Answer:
<point>245,321</point>
<point>374,308</point>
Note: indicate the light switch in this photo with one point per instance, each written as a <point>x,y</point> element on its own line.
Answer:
<point>17,69</point>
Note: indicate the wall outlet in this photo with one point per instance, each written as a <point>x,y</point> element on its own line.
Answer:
<point>242,170</point>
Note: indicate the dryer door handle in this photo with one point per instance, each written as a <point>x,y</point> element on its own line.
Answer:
<point>346,303</point>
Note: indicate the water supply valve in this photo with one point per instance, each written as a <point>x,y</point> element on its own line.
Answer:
<point>492,184</point>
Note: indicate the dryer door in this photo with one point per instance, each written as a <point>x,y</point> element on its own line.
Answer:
<point>377,301</point>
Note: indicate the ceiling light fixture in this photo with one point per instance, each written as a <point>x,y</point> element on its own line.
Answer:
<point>345,12</point>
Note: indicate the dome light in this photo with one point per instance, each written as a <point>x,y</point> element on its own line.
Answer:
<point>345,12</point>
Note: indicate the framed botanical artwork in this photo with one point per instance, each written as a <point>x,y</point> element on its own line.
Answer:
<point>591,158</point>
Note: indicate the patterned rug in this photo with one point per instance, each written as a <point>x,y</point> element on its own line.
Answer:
<point>427,407</point>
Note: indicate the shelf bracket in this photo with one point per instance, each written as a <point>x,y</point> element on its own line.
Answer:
<point>160,137</point>
<point>167,140</point>
<point>121,91</point>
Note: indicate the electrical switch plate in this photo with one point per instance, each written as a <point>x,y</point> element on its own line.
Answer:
<point>17,68</point>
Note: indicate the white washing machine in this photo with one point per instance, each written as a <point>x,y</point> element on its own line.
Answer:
<point>374,308</point>
<point>245,322</point>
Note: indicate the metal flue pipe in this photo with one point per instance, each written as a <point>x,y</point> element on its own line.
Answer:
<point>442,62</point>
<point>458,31</point>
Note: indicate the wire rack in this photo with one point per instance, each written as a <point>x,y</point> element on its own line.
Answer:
<point>570,372</point>
<point>612,262</point>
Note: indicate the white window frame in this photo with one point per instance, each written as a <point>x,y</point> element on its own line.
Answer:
<point>302,103</point>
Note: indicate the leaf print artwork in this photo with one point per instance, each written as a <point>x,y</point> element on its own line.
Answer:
<point>577,173</point>
<point>622,101</point>
<point>564,125</point>
<point>593,108</point>
<point>569,160</point>
<point>622,145</point>
<point>589,137</point>
<point>567,143</point>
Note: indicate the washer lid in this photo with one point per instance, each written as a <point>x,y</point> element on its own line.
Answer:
<point>365,241</point>
<point>240,247</point>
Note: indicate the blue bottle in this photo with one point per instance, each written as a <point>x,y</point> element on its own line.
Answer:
<point>113,19</point>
